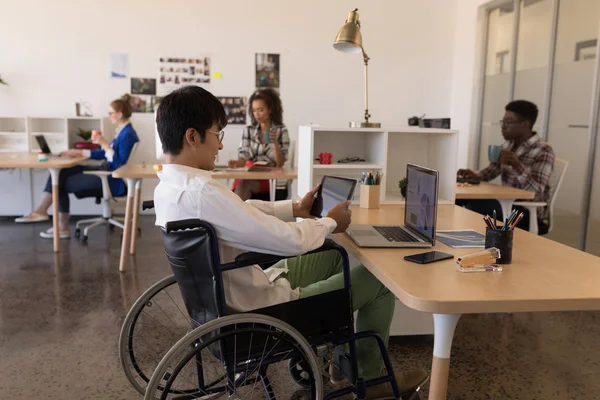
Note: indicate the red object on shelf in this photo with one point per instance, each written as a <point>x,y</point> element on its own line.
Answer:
<point>86,146</point>
<point>325,158</point>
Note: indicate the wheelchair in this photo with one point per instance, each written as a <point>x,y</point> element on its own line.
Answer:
<point>181,341</point>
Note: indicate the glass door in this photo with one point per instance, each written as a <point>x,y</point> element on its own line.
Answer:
<point>497,77</point>
<point>570,111</point>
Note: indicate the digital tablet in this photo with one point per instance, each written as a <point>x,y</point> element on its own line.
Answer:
<point>333,190</point>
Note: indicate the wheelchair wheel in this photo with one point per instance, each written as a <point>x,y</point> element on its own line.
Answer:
<point>236,357</point>
<point>155,322</point>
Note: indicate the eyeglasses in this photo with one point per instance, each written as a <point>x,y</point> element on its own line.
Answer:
<point>509,122</point>
<point>219,134</point>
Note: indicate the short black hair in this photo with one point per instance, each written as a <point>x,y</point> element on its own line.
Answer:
<point>524,109</point>
<point>185,108</point>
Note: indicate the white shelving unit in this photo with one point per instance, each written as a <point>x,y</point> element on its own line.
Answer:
<point>387,150</point>
<point>17,135</point>
<point>13,134</point>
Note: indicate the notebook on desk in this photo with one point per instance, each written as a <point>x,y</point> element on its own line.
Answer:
<point>420,214</point>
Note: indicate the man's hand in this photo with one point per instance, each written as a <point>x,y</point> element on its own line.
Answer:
<point>302,208</point>
<point>342,215</point>
<point>71,153</point>
<point>467,174</point>
<point>509,158</point>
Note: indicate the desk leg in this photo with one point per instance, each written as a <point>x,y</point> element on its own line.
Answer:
<point>127,223</point>
<point>54,172</point>
<point>272,189</point>
<point>444,325</point>
<point>136,215</point>
<point>506,205</point>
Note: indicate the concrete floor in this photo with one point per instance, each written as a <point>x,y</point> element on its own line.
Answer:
<point>60,317</point>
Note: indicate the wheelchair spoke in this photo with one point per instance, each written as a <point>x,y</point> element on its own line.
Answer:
<point>209,362</point>
<point>185,315</point>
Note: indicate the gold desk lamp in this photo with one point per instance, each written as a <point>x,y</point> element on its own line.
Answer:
<point>349,40</point>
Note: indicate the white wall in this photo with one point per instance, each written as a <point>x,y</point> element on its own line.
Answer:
<point>55,53</point>
<point>465,61</point>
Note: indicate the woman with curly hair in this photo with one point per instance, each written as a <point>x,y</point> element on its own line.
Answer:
<point>266,139</point>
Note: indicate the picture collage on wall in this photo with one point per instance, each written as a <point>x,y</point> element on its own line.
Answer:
<point>175,72</point>
<point>235,109</point>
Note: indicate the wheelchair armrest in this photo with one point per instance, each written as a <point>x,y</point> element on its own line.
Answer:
<point>251,258</point>
<point>147,205</point>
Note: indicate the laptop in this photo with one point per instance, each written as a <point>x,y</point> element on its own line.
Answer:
<point>420,214</point>
<point>44,148</point>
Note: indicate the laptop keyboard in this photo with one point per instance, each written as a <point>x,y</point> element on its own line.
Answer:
<point>395,234</point>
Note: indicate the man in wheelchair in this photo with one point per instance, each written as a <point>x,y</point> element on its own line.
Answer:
<point>190,122</point>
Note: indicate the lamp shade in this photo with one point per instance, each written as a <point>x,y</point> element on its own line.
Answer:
<point>349,39</point>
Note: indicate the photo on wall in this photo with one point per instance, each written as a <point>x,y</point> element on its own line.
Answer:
<point>141,103</point>
<point>143,86</point>
<point>267,70</point>
<point>119,65</point>
<point>235,109</point>
<point>175,72</point>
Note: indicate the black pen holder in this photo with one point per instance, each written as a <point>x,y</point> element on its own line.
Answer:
<point>503,241</point>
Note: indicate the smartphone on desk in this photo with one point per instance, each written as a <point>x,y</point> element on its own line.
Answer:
<point>429,257</point>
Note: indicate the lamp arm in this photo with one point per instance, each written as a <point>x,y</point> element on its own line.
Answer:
<point>366,60</point>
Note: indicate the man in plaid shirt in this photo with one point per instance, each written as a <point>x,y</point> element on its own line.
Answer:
<point>526,162</point>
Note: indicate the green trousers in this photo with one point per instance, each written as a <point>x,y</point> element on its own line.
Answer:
<point>322,272</point>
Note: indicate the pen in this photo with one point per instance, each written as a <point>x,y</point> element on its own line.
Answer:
<point>514,224</point>
<point>495,220</point>
<point>487,222</point>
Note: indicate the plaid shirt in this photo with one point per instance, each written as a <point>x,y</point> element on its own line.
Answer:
<point>252,149</point>
<point>532,173</point>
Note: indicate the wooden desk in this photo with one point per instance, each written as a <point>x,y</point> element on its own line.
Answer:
<point>505,195</point>
<point>134,173</point>
<point>54,165</point>
<point>544,276</point>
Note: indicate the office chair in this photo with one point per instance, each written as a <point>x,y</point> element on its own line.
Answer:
<point>556,178</point>
<point>103,197</point>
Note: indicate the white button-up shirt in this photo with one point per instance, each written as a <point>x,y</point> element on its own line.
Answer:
<point>260,226</point>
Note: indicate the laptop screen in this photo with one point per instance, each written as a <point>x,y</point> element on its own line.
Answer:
<point>43,144</point>
<point>421,200</point>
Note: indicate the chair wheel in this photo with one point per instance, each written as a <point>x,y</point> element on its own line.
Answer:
<point>84,239</point>
<point>77,232</point>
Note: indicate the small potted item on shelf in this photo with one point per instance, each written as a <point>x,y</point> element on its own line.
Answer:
<point>402,185</point>
<point>42,156</point>
<point>86,135</point>
<point>325,158</point>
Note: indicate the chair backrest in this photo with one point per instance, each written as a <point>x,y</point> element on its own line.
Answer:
<point>287,183</point>
<point>192,250</point>
<point>556,178</point>
<point>133,151</point>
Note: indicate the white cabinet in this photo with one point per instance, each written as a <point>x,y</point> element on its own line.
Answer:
<point>386,150</point>
<point>13,134</point>
<point>17,199</point>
